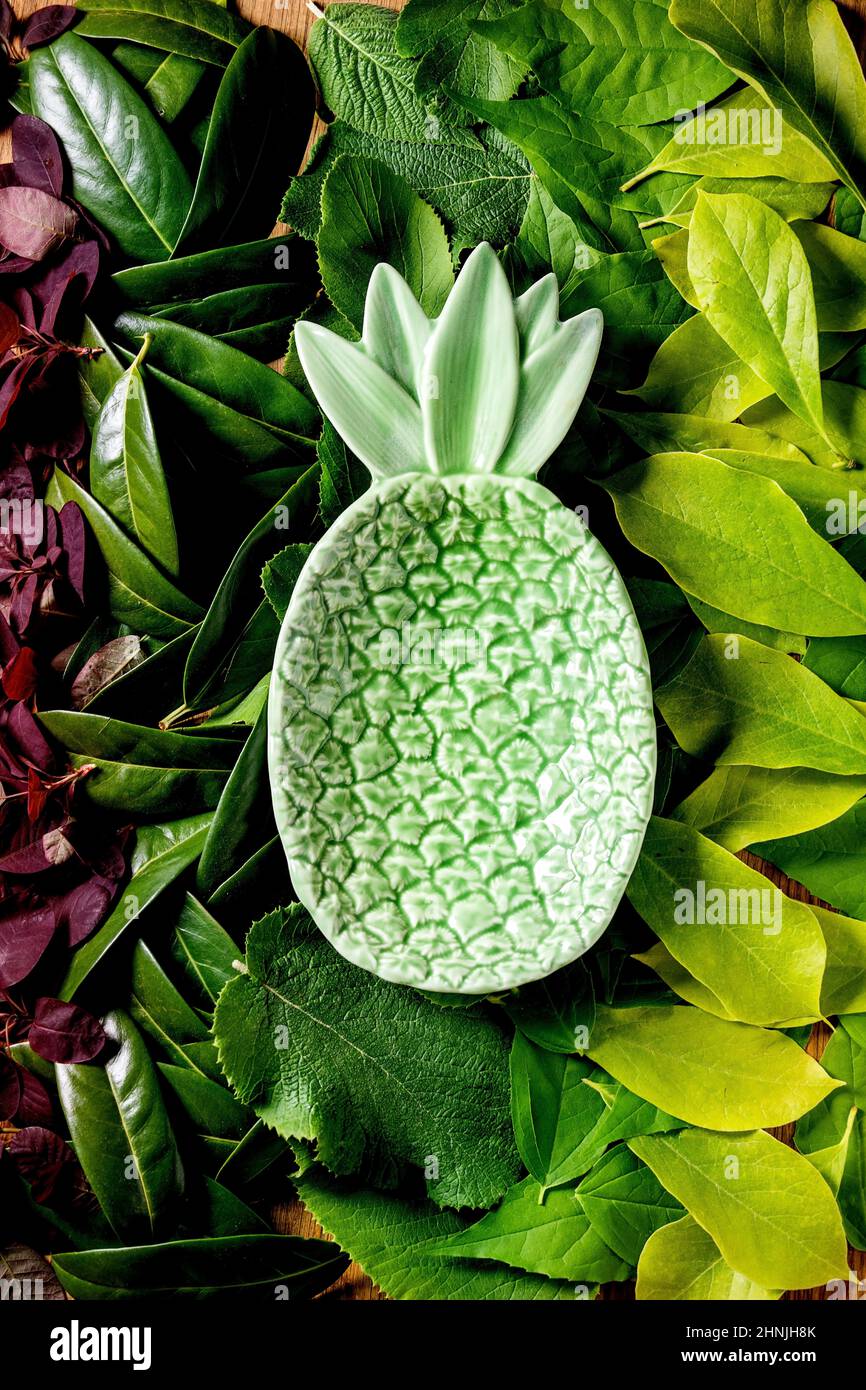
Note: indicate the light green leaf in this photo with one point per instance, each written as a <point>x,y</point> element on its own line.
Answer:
<point>715,620</point>
<point>753,284</point>
<point>831,504</point>
<point>829,1125</point>
<point>742,137</point>
<point>838,267</point>
<point>799,58</point>
<point>844,420</point>
<point>830,861</point>
<point>768,1210</point>
<point>760,953</point>
<point>677,978</point>
<point>686,511</point>
<point>736,806</point>
<point>681,1262</point>
<point>391,1239</point>
<point>378,1076</point>
<point>625,1203</point>
<point>620,60</point>
<point>694,372</point>
<point>371,215</point>
<point>659,433</point>
<point>790,200</point>
<point>707,1071</point>
<point>760,708</point>
<point>543,1233</point>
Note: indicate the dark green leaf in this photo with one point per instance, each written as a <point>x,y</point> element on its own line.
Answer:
<point>211,1108</point>
<point>257,136</point>
<point>244,817</point>
<point>124,169</point>
<point>194,28</point>
<point>122,1136</point>
<point>203,948</point>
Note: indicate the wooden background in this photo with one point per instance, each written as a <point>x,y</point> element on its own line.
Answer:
<point>295,17</point>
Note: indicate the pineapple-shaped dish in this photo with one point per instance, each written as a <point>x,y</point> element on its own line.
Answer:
<point>461,733</point>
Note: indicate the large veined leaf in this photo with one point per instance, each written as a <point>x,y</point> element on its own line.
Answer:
<point>192,28</point>
<point>378,1076</point>
<point>736,806</point>
<point>800,58</point>
<point>768,1210</point>
<point>681,1262</point>
<point>760,953</point>
<point>686,511</point>
<point>391,1239</point>
<point>620,60</point>
<point>122,1135</point>
<point>370,215</point>
<point>541,1232</point>
<point>478,182</point>
<point>762,709</point>
<point>705,1070</point>
<point>743,254</point>
<point>445,36</point>
<point>124,168</point>
<point>126,473</point>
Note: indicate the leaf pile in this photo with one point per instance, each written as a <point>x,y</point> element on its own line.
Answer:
<point>697,172</point>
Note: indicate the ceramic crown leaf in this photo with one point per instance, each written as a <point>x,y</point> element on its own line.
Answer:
<point>491,386</point>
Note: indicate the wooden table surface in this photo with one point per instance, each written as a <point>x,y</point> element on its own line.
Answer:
<point>295,17</point>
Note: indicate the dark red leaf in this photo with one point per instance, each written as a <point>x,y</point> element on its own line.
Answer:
<point>10,1087</point>
<point>64,1032</point>
<point>7,19</point>
<point>42,1158</point>
<point>24,937</point>
<point>47,24</point>
<point>33,222</point>
<point>36,155</point>
<point>19,675</point>
<point>34,1107</point>
<point>9,328</point>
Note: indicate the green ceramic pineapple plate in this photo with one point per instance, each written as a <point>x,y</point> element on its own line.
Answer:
<point>461,732</point>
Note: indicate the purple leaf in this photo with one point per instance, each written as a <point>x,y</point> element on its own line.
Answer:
<point>7,19</point>
<point>64,1032</point>
<point>9,328</point>
<point>36,155</point>
<point>10,1087</point>
<point>47,24</point>
<point>34,1107</point>
<point>24,937</point>
<point>32,222</point>
<point>42,1158</point>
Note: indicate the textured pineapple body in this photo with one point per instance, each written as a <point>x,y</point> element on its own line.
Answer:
<point>462,739</point>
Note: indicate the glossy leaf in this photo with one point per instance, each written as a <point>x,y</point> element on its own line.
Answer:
<point>96,374</point>
<point>237,1266</point>
<point>122,1136</point>
<point>686,509</point>
<point>249,411</point>
<point>830,861</point>
<point>209,33</point>
<point>266,99</point>
<point>768,1210</point>
<point>274,261</point>
<point>161,853</point>
<point>211,1108</point>
<point>552,1110</point>
<point>139,594</point>
<point>707,1071</point>
<point>243,820</point>
<point>126,473</point>
<point>203,948</point>
<point>136,188</point>
<point>761,709</point>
